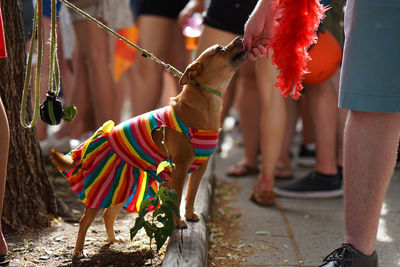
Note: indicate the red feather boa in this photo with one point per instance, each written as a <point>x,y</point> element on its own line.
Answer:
<point>294,30</point>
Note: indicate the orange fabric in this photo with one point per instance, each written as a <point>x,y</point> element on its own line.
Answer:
<point>326,56</point>
<point>124,54</point>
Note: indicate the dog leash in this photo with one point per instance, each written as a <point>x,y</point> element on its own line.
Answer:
<point>51,110</point>
<point>144,53</point>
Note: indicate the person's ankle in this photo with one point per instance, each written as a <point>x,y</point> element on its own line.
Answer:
<point>327,171</point>
<point>367,249</point>
<point>3,244</point>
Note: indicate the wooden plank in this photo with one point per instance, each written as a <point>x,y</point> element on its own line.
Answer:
<point>189,247</point>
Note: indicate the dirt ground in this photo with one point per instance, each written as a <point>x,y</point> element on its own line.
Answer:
<point>53,246</point>
<point>225,248</point>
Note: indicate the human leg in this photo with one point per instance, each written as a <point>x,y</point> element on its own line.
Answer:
<point>273,122</point>
<point>155,36</point>
<point>248,105</point>
<point>80,97</point>
<point>323,103</point>
<point>209,37</point>
<point>325,181</point>
<point>283,166</point>
<point>4,143</point>
<point>91,40</point>
<point>249,110</point>
<point>369,137</point>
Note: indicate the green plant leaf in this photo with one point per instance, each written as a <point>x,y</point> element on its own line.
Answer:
<point>155,202</point>
<point>149,228</point>
<point>139,222</point>
<point>70,114</point>
<point>143,207</point>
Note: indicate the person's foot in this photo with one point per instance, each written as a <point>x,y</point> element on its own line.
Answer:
<point>282,172</point>
<point>242,169</point>
<point>313,185</point>
<point>349,256</point>
<point>306,157</point>
<point>3,250</point>
<point>263,198</point>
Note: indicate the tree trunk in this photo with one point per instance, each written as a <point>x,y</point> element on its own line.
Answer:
<point>29,196</point>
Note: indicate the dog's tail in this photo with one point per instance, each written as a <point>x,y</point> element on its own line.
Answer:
<point>63,163</point>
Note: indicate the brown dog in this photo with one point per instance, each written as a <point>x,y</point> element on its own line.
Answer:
<point>197,107</point>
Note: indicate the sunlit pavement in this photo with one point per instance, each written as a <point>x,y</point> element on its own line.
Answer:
<point>301,232</point>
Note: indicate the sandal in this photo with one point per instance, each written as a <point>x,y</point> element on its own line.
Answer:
<point>4,261</point>
<point>241,169</point>
<point>263,198</point>
<point>283,173</point>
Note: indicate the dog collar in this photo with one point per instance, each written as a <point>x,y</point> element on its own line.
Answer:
<point>210,90</point>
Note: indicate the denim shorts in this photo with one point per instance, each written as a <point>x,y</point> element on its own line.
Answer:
<point>370,77</point>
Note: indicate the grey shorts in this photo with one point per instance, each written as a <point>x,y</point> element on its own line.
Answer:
<point>370,77</point>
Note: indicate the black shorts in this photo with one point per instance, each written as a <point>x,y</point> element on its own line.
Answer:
<point>229,15</point>
<point>163,8</point>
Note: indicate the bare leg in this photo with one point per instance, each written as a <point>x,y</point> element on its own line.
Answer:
<point>273,122</point>
<point>283,167</point>
<point>323,103</point>
<point>4,143</point>
<point>209,37</point>
<point>307,131</point>
<point>80,97</point>
<point>370,151</point>
<point>91,40</point>
<point>156,35</point>
<point>249,108</point>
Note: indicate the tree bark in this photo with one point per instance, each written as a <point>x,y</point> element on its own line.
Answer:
<point>29,196</point>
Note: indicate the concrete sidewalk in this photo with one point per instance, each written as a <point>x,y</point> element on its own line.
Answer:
<point>300,232</point>
<point>303,231</point>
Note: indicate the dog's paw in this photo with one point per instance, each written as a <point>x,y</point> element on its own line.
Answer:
<point>193,217</point>
<point>77,255</point>
<point>181,224</point>
<point>117,239</point>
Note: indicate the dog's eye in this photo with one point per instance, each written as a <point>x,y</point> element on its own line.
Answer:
<point>220,48</point>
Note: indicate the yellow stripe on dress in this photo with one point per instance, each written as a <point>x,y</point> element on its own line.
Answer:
<point>176,124</point>
<point>100,175</point>
<point>142,185</point>
<point>121,181</point>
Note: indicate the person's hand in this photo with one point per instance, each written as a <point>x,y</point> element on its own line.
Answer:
<point>257,30</point>
<point>191,7</point>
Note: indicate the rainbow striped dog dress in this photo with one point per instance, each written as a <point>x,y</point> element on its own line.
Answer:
<point>119,164</point>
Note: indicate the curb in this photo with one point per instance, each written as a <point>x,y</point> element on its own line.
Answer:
<point>189,247</point>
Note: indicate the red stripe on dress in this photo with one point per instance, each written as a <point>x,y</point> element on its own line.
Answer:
<point>146,140</point>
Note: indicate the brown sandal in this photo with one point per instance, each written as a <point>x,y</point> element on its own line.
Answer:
<point>241,169</point>
<point>263,198</point>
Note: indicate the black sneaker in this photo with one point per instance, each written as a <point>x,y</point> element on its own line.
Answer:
<point>314,185</point>
<point>306,156</point>
<point>348,256</point>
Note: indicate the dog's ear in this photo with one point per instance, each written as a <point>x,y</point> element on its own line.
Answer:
<point>191,71</point>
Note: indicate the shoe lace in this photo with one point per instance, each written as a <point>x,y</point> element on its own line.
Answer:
<point>339,255</point>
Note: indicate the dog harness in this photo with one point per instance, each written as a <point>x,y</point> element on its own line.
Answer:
<point>119,164</point>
